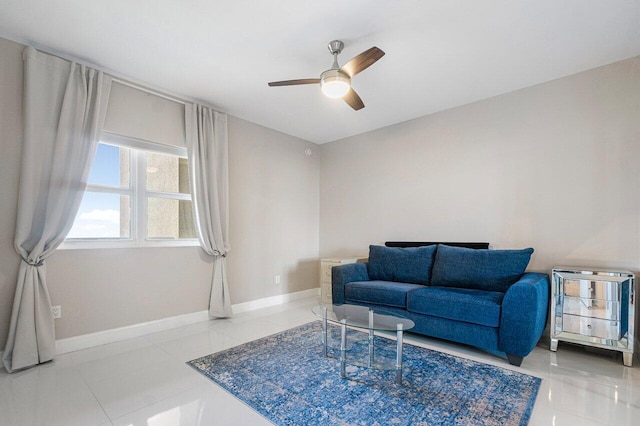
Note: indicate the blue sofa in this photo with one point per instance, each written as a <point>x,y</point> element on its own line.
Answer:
<point>482,298</point>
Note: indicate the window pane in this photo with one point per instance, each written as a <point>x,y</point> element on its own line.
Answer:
<point>111,166</point>
<point>102,216</point>
<point>167,218</point>
<point>167,173</point>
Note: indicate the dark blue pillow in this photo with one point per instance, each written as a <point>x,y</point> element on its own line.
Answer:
<point>405,265</point>
<point>493,270</point>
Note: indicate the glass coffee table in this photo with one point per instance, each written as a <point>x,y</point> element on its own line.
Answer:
<point>370,320</point>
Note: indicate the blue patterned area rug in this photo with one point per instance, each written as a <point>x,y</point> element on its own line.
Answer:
<point>286,378</point>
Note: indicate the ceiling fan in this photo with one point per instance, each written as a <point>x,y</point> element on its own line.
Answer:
<point>336,81</point>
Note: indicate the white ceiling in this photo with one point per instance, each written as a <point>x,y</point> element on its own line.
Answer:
<point>439,54</point>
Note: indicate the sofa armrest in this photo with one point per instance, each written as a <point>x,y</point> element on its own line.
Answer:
<point>341,275</point>
<point>524,314</point>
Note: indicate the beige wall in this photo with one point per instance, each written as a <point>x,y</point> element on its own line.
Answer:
<point>274,193</point>
<point>103,289</point>
<point>554,167</point>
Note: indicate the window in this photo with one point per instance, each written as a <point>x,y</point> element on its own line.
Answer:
<point>138,194</point>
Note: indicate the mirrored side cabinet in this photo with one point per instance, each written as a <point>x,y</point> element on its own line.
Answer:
<point>593,308</point>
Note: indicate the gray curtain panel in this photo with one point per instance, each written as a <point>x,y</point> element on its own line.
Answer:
<point>64,109</point>
<point>207,148</point>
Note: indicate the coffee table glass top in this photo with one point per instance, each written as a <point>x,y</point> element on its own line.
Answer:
<point>360,317</point>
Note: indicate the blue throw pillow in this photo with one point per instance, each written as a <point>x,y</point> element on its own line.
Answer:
<point>493,270</point>
<point>406,265</point>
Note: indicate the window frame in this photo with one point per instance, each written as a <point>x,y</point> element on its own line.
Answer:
<point>138,196</point>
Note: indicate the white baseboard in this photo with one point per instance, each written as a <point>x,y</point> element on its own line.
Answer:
<point>274,300</point>
<point>85,341</point>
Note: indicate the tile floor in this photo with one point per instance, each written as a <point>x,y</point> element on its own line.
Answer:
<point>145,381</point>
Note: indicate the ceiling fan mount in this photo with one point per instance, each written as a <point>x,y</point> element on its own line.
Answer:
<point>335,47</point>
<point>336,81</point>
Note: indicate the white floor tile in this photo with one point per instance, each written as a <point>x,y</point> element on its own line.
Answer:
<point>197,345</point>
<point>145,381</point>
<point>176,333</point>
<point>293,318</point>
<point>48,395</point>
<point>252,330</point>
<point>108,350</point>
<point>123,363</point>
<point>625,414</point>
<point>580,397</point>
<point>124,394</point>
<point>550,417</point>
<point>204,405</point>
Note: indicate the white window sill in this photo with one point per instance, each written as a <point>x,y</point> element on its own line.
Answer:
<point>114,244</point>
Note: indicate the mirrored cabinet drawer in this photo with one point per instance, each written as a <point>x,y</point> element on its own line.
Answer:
<point>603,309</point>
<point>603,290</point>
<point>586,326</point>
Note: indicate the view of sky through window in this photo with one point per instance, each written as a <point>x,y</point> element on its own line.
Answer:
<point>99,213</point>
<point>106,166</point>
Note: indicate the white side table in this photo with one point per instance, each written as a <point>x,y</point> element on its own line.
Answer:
<point>325,274</point>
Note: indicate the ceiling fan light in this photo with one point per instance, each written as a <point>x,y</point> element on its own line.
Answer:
<point>334,84</point>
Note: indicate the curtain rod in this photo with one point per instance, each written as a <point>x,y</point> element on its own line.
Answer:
<point>116,76</point>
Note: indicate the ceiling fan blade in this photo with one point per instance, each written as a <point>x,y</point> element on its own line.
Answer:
<point>295,82</point>
<point>362,61</point>
<point>353,100</point>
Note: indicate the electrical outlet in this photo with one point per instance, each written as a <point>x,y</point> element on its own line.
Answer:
<point>277,279</point>
<point>56,311</point>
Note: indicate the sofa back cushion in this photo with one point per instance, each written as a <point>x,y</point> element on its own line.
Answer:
<point>493,270</point>
<point>405,265</point>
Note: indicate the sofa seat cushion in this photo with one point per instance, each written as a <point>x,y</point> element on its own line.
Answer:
<point>379,292</point>
<point>492,270</point>
<point>460,304</point>
<point>404,265</point>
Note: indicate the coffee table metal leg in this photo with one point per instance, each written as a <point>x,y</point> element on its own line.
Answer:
<point>324,330</point>
<point>343,349</point>
<point>399,354</point>
<point>370,337</point>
